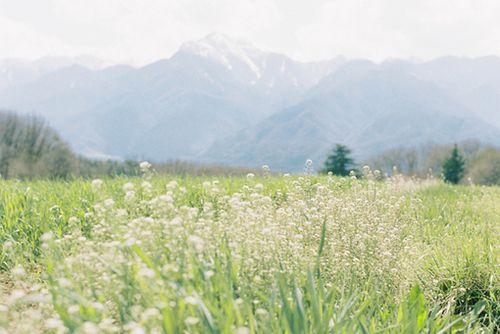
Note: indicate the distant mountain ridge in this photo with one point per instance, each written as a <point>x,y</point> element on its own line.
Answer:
<point>226,101</point>
<point>16,71</point>
<point>387,108</point>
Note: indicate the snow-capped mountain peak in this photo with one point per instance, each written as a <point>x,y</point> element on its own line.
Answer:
<point>229,52</point>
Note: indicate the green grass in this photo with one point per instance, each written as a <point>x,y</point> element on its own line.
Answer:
<point>301,255</point>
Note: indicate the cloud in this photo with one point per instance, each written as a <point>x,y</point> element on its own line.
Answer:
<point>19,40</point>
<point>134,30</point>
<point>378,29</point>
<point>141,31</point>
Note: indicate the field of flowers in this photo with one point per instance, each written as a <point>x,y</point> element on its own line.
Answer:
<point>267,254</point>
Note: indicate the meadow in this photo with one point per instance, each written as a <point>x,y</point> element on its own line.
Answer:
<point>256,254</point>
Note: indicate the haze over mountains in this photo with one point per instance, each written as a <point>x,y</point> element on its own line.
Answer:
<point>223,100</point>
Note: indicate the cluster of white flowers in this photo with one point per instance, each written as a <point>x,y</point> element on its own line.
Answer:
<point>126,272</point>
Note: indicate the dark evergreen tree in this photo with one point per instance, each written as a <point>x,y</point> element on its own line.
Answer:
<point>339,162</point>
<point>453,166</point>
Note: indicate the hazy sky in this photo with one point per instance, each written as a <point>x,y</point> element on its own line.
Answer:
<point>141,31</point>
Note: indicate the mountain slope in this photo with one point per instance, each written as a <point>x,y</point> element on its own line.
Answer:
<point>369,107</point>
<point>67,98</point>
<point>475,83</point>
<point>226,101</point>
<point>173,108</point>
<point>15,72</point>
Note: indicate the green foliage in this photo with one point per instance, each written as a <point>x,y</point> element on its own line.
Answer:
<point>453,166</point>
<point>482,161</point>
<point>164,283</point>
<point>339,162</point>
<point>29,148</point>
<point>484,167</point>
<point>464,263</point>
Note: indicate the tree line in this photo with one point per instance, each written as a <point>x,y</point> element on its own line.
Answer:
<point>466,161</point>
<point>30,148</point>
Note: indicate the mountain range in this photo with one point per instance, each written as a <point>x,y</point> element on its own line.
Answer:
<point>224,100</point>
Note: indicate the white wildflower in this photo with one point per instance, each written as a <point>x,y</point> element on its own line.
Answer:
<point>261,312</point>
<point>147,186</point>
<point>145,166</point>
<point>96,184</point>
<point>98,306</point>
<point>150,313</point>
<point>146,272</point>
<point>129,196</point>
<point>47,236</point>
<point>73,309</point>
<point>128,186</point>
<point>242,330</point>
<point>18,271</point>
<point>64,282</point>
<point>130,241</point>
<point>8,245</point>
<point>54,323</point>
<point>172,185</point>
<point>197,242</point>
<point>134,328</point>
<point>191,300</point>
<point>109,202</point>
<point>15,295</point>
<point>191,321</point>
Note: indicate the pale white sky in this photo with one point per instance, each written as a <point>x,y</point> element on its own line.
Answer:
<point>141,31</point>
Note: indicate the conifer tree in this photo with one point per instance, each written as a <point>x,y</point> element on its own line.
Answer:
<point>453,166</point>
<point>339,162</point>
